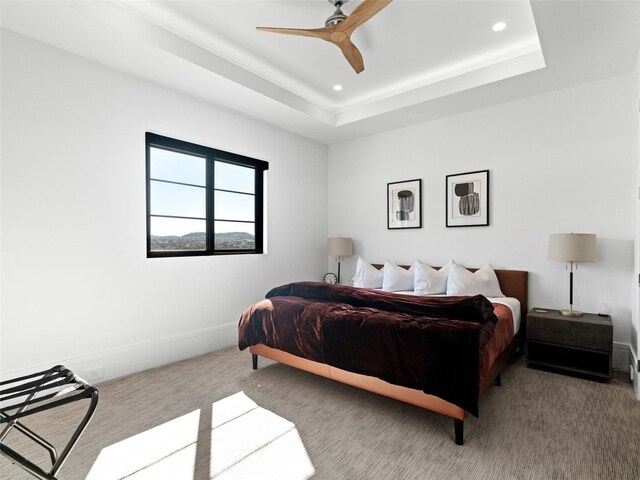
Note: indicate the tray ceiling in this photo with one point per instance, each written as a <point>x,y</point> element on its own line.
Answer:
<point>423,59</point>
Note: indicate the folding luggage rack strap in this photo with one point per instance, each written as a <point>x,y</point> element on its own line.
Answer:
<point>35,393</point>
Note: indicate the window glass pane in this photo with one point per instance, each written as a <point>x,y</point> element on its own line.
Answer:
<point>234,206</point>
<point>180,200</point>
<point>178,234</point>
<point>234,177</point>
<point>178,167</point>
<point>234,236</point>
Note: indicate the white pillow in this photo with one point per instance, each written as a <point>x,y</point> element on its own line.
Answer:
<point>428,280</point>
<point>367,276</point>
<point>396,279</point>
<point>482,282</point>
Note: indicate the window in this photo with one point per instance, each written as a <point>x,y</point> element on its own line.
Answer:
<point>202,201</point>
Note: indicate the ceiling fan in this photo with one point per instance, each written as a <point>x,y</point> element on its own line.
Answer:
<point>339,27</point>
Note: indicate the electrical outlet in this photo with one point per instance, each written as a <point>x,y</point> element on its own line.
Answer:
<point>94,374</point>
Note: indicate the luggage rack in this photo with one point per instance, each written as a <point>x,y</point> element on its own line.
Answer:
<point>35,393</point>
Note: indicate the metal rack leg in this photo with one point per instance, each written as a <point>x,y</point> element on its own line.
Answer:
<point>39,440</point>
<point>76,435</point>
<point>25,464</point>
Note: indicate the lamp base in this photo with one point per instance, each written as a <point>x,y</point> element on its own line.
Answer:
<point>571,313</point>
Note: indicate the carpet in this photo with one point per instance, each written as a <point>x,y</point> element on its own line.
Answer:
<point>213,417</point>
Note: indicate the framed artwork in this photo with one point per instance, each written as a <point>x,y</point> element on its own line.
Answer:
<point>404,204</point>
<point>468,199</point>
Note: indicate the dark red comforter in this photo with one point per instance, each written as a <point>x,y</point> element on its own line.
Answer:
<point>433,344</point>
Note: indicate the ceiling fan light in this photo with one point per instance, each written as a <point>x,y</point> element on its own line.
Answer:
<point>499,26</point>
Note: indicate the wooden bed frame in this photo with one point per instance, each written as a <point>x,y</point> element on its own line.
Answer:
<point>513,283</point>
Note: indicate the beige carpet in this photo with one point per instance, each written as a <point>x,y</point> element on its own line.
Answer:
<point>194,422</point>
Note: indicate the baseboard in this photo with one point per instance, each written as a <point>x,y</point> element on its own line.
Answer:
<point>132,358</point>
<point>621,357</point>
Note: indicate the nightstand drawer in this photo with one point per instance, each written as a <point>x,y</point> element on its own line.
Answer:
<point>587,332</point>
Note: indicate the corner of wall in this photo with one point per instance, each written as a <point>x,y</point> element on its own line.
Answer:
<point>635,314</point>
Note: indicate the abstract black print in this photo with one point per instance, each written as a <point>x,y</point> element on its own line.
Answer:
<point>404,209</point>
<point>405,205</point>
<point>467,199</point>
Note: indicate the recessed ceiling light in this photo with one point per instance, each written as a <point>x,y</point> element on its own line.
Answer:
<point>337,87</point>
<point>498,27</point>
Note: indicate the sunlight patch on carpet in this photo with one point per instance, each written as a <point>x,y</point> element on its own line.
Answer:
<point>246,441</point>
<point>167,451</point>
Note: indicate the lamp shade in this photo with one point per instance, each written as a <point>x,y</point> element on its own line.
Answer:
<point>339,247</point>
<point>572,247</point>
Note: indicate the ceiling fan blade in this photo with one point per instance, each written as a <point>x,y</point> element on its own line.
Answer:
<point>363,12</point>
<point>323,33</point>
<point>338,38</point>
<point>351,53</point>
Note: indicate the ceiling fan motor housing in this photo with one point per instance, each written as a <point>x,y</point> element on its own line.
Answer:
<point>338,16</point>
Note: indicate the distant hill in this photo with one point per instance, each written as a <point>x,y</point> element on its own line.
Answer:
<point>234,236</point>
<point>198,241</point>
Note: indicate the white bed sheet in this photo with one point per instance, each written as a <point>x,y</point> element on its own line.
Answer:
<point>514,304</point>
<point>511,302</point>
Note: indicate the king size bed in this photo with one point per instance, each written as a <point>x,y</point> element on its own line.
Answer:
<point>440,353</point>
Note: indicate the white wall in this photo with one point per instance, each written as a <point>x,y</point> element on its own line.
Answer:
<point>559,162</point>
<point>76,284</point>
<point>635,324</point>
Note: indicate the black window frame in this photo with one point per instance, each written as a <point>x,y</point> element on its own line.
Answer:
<point>211,155</point>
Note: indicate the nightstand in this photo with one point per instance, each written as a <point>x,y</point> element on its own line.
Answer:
<point>582,345</point>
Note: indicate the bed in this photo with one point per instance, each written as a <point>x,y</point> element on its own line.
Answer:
<point>440,353</point>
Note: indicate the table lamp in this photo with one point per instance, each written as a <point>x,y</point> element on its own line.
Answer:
<point>339,247</point>
<point>572,248</point>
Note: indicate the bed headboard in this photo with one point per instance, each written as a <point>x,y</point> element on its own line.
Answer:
<point>513,283</point>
